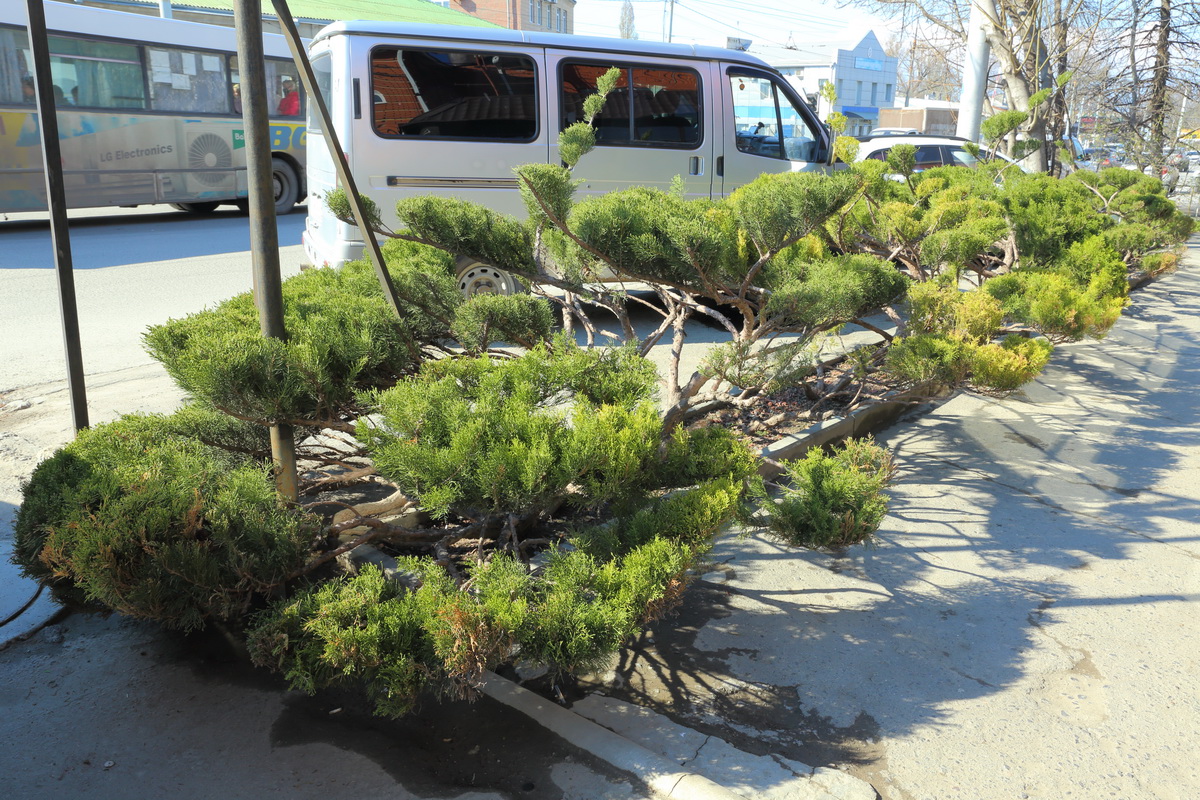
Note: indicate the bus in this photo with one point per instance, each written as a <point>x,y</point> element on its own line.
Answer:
<point>149,111</point>
<point>451,110</point>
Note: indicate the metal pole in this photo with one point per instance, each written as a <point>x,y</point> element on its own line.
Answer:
<point>56,202</point>
<point>164,9</point>
<point>318,103</point>
<point>264,236</point>
<point>975,70</point>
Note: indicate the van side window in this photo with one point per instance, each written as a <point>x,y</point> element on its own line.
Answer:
<point>453,94</point>
<point>662,109</point>
<point>761,113</point>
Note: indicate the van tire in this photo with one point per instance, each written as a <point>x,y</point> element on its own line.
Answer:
<point>478,278</point>
<point>195,208</point>
<point>286,186</point>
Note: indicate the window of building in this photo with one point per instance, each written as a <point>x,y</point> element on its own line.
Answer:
<point>887,93</point>
<point>532,10</point>
<point>874,93</point>
<point>858,93</point>
<point>648,107</point>
<point>454,94</point>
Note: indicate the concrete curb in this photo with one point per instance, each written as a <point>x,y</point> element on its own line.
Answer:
<point>860,422</point>
<point>663,776</point>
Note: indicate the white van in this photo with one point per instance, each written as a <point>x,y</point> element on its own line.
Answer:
<point>450,110</point>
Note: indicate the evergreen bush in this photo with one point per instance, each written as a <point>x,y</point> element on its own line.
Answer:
<point>834,500</point>
<point>158,526</point>
<point>561,491</point>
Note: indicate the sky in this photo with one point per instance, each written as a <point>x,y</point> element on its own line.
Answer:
<point>804,23</point>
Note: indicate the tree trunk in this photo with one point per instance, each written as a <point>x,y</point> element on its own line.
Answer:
<point>1158,84</point>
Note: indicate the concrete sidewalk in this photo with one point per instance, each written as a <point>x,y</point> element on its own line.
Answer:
<point>1025,625</point>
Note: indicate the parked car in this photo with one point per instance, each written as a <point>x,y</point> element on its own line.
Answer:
<point>1098,158</point>
<point>932,151</point>
<point>894,132</point>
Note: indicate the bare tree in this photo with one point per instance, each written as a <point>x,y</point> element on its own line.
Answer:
<point>625,27</point>
<point>1030,42</point>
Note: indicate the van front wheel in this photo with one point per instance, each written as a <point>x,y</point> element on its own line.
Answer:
<point>485,279</point>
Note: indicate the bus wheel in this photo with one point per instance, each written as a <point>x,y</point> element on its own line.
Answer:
<point>485,279</point>
<point>196,208</point>
<point>286,184</point>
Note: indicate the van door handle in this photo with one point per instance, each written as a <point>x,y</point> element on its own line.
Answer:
<point>720,166</point>
<point>697,165</point>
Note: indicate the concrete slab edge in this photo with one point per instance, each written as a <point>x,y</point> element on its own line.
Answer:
<point>663,776</point>
<point>859,422</point>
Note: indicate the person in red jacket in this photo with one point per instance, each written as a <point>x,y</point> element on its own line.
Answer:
<point>289,106</point>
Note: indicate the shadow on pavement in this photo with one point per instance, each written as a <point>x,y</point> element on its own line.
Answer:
<point>817,656</point>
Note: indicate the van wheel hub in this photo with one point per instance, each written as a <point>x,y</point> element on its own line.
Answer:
<point>486,279</point>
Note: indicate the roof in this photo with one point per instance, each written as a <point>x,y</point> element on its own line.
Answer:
<point>334,10</point>
<point>537,38</point>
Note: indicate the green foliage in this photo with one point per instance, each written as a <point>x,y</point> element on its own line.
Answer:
<point>845,148</point>
<point>974,317</point>
<point>368,630</point>
<point>338,203</point>
<point>777,210</point>
<point>155,525</point>
<point>1093,263</point>
<point>834,500</point>
<point>819,295</point>
<point>929,358</point>
<point>1048,215</point>
<point>360,631</point>
<point>999,125</point>
<point>576,141</point>
<point>469,229</point>
<point>1056,306</point>
<point>510,436</point>
<point>547,184</point>
<point>516,319</point>
<point>342,337</point>
<point>902,160</point>
<point>1005,367</point>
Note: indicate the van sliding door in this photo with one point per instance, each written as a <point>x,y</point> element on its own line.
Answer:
<point>652,128</point>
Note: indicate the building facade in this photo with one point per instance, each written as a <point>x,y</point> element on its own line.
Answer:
<point>864,77</point>
<point>556,16</point>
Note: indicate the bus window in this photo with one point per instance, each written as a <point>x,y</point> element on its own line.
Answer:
<point>98,74</point>
<point>183,80</point>
<point>283,87</point>
<point>662,110</point>
<point>15,67</point>
<point>453,95</point>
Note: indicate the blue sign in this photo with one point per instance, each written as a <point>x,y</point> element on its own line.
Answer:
<point>869,63</point>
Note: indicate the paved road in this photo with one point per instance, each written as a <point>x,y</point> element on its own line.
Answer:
<point>1025,626</point>
<point>134,268</point>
